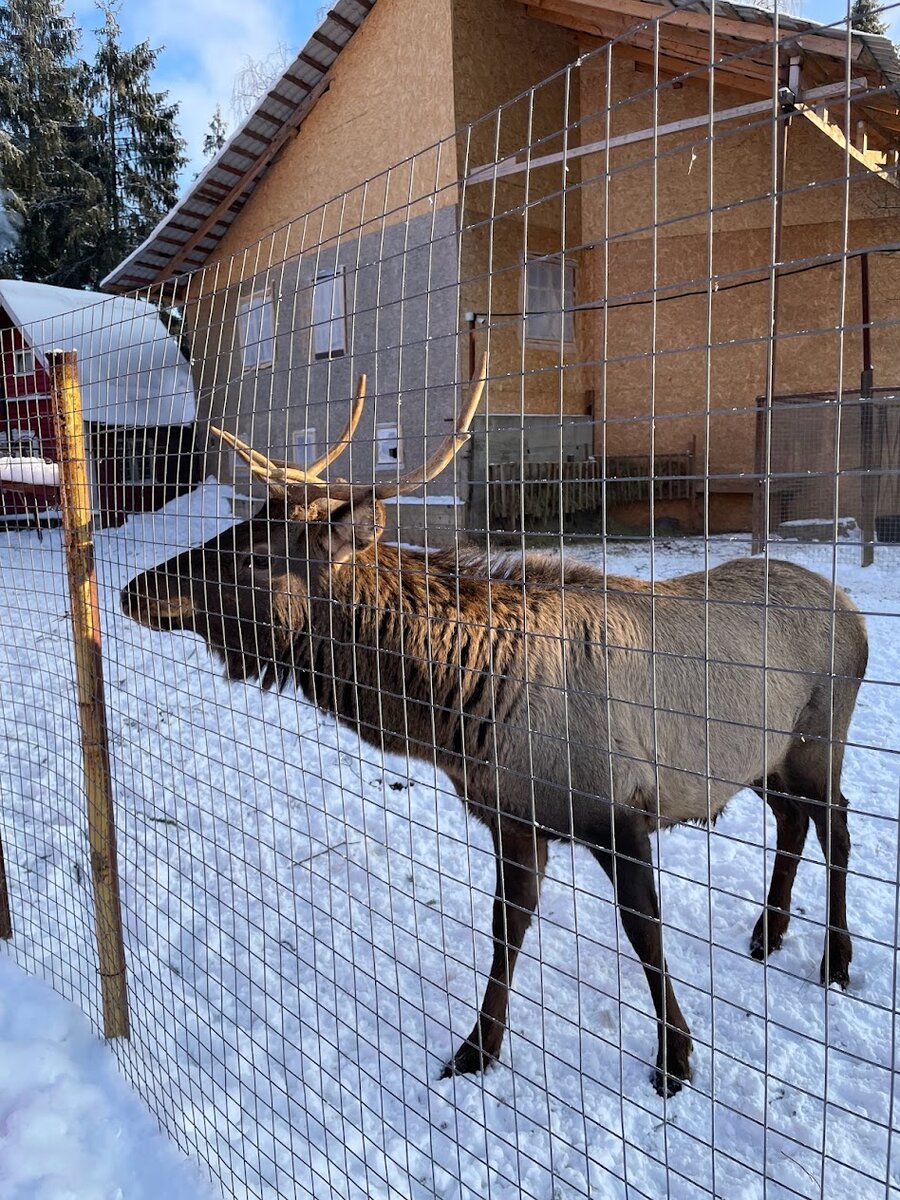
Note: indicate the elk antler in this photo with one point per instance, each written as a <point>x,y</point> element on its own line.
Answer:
<point>277,471</point>
<point>447,450</point>
<point>280,471</point>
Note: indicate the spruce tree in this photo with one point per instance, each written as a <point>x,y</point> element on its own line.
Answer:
<point>865,15</point>
<point>133,141</point>
<point>216,134</point>
<point>48,195</point>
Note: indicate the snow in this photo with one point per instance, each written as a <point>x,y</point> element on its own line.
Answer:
<point>307,926</point>
<point>130,371</point>
<point>38,472</point>
<point>70,1127</point>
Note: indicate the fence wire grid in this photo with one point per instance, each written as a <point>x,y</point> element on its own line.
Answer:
<point>685,301</point>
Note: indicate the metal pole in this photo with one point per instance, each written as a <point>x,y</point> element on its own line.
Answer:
<point>765,406</point>
<point>78,534</point>
<point>869,482</point>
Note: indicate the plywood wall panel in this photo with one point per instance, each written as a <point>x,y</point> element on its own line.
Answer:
<point>364,123</point>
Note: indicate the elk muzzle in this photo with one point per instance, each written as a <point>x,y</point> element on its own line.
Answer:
<point>142,602</point>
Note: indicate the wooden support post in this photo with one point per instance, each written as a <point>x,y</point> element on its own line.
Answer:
<point>78,533</point>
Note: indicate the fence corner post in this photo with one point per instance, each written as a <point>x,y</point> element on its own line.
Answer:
<point>78,535</point>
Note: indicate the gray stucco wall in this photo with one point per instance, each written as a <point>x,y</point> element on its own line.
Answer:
<point>402,332</point>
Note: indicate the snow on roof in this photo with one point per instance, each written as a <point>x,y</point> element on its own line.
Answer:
<point>131,371</point>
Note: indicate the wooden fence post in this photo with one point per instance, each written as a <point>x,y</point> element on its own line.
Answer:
<point>6,930</point>
<point>78,533</point>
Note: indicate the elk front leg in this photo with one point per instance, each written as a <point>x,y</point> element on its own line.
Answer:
<point>830,821</point>
<point>521,855</point>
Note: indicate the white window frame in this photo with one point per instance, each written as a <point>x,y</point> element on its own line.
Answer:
<point>305,444</point>
<point>23,362</point>
<point>328,322</point>
<point>388,446</point>
<point>257,344</point>
<point>551,322</point>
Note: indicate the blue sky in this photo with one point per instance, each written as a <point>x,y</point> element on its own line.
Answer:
<point>207,42</point>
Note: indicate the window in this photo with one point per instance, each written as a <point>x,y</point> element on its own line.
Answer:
<point>549,300</point>
<point>23,362</point>
<point>388,452</point>
<point>257,328</point>
<point>329,323</point>
<point>305,444</point>
<point>139,463</point>
<point>20,443</point>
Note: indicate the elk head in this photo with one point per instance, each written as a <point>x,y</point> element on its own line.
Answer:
<point>251,591</point>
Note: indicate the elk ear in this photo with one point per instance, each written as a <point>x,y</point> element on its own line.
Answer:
<point>354,525</point>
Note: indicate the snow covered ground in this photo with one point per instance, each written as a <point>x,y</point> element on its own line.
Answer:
<point>307,929</point>
<point>70,1126</point>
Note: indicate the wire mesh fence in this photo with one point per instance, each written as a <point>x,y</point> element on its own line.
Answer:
<point>377,646</point>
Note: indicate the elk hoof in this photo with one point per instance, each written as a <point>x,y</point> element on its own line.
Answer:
<point>673,1071</point>
<point>768,933</point>
<point>665,1085</point>
<point>836,963</point>
<point>468,1060</point>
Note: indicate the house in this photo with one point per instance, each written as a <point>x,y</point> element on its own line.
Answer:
<point>136,393</point>
<point>669,227</point>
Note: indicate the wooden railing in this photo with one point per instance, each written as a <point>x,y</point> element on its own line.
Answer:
<point>539,492</point>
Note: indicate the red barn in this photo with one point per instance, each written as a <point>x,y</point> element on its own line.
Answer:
<point>136,392</point>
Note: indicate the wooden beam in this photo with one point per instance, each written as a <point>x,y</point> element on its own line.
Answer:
<point>745,31</point>
<point>327,42</point>
<point>342,21</point>
<point>221,166</point>
<point>259,115</point>
<point>676,58</point>
<point>837,135</point>
<point>514,165</point>
<point>297,82</point>
<point>312,62</point>
<point>684,66</point>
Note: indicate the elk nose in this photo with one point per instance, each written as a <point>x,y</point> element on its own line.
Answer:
<point>159,612</point>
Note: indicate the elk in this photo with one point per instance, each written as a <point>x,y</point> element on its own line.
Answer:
<point>561,702</point>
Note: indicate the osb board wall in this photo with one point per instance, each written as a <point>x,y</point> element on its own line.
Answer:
<point>524,377</point>
<point>368,120</point>
<point>666,183</point>
<point>499,52</point>
<point>647,365</point>
<point>654,382</point>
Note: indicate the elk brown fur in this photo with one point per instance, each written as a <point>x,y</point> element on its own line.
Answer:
<point>561,702</point>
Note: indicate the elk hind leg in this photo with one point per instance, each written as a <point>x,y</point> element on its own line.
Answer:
<point>810,765</point>
<point>629,864</point>
<point>521,858</point>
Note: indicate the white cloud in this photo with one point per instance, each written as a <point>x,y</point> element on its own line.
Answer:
<point>205,44</point>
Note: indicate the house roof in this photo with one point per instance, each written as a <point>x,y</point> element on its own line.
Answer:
<point>130,370</point>
<point>187,235</point>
